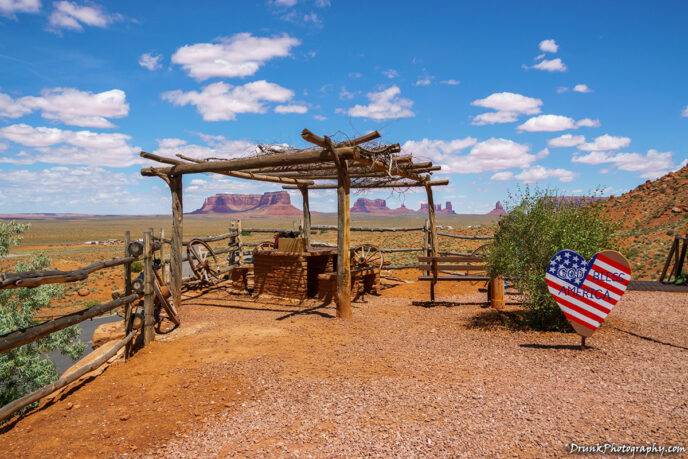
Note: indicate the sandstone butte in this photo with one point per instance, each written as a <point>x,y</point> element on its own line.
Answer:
<point>278,203</point>
<point>272,203</point>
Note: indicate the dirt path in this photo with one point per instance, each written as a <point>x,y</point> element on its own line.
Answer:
<point>396,380</point>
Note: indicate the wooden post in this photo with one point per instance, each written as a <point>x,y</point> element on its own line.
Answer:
<point>163,277</point>
<point>176,246</point>
<point>343,234</point>
<point>306,227</point>
<point>426,242</point>
<point>682,258</point>
<point>128,322</point>
<point>239,243</point>
<point>496,292</point>
<point>433,238</point>
<point>148,292</point>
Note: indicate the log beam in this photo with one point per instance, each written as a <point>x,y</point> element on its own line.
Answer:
<point>243,175</point>
<point>239,164</point>
<point>394,184</point>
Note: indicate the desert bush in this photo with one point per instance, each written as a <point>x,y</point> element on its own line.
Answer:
<point>136,266</point>
<point>27,368</point>
<point>537,226</point>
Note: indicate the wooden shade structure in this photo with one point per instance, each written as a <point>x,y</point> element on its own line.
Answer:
<point>355,163</point>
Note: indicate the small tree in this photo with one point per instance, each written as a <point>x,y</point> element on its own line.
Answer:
<point>538,225</point>
<point>27,368</point>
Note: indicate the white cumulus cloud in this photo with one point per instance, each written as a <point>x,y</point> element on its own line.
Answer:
<point>651,165</point>
<point>293,108</point>
<point>222,102</point>
<point>684,113</point>
<point>553,123</point>
<point>384,105</point>
<point>11,7</point>
<point>70,106</point>
<point>502,176</point>
<point>150,61</point>
<point>58,146</point>
<point>580,87</point>
<point>70,15</point>
<point>240,55</point>
<point>507,105</point>
<point>440,152</point>
<point>491,155</point>
<point>566,140</point>
<point>214,147</point>
<point>539,173</point>
<point>11,108</point>
<point>605,142</point>
<point>550,65</point>
<point>548,46</point>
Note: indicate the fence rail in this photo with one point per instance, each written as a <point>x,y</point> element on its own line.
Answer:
<point>44,391</point>
<point>26,335</point>
<point>36,278</point>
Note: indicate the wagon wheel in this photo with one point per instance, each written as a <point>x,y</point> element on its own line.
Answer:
<point>481,251</point>
<point>202,260</point>
<point>366,256</point>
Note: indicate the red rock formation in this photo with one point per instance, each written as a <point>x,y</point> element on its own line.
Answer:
<point>274,203</point>
<point>370,206</point>
<point>448,210</point>
<point>498,210</point>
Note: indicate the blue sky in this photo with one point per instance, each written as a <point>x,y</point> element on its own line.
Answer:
<point>575,95</point>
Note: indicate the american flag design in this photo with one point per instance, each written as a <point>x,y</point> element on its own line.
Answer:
<point>586,292</point>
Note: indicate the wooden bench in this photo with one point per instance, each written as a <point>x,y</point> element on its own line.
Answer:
<point>444,268</point>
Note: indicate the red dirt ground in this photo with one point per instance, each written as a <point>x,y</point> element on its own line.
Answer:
<point>257,380</point>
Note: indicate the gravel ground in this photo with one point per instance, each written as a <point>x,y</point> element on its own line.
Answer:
<point>406,381</point>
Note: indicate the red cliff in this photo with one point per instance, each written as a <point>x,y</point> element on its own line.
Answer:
<point>274,203</point>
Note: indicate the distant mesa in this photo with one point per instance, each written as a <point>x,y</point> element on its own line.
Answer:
<point>379,207</point>
<point>272,203</point>
<point>498,210</point>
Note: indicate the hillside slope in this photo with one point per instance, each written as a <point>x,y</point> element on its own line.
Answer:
<point>648,217</point>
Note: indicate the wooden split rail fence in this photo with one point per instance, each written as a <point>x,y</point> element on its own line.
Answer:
<point>140,250</point>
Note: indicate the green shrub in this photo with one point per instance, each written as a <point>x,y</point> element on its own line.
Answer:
<point>537,226</point>
<point>136,266</point>
<point>27,368</point>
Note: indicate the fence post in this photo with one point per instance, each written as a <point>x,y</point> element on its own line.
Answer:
<point>426,242</point>
<point>162,256</point>
<point>148,298</point>
<point>496,292</point>
<point>128,323</point>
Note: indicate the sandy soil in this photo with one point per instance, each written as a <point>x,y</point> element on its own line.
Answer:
<point>247,379</point>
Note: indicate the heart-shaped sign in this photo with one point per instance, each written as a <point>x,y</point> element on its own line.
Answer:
<point>586,292</point>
